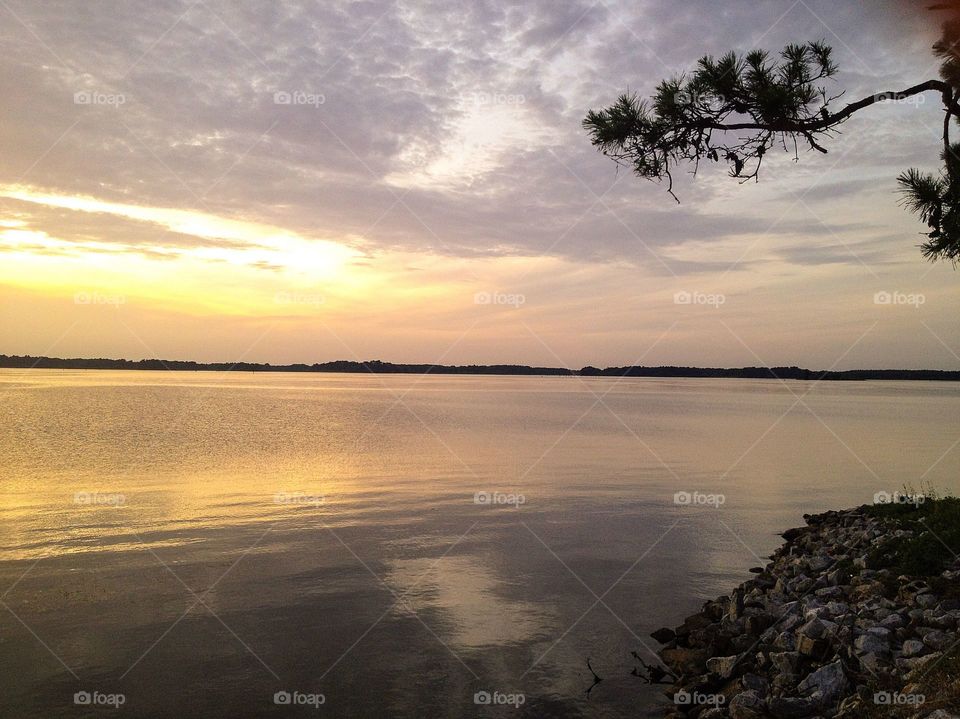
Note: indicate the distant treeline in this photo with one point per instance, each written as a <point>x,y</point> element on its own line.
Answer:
<point>374,366</point>
<point>774,373</point>
<point>378,367</point>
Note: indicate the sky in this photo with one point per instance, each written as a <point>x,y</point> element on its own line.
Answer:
<point>409,181</point>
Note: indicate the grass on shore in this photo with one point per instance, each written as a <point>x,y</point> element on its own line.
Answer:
<point>940,688</point>
<point>935,522</point>
<point>934,546</point>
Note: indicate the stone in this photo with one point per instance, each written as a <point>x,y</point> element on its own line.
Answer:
<point>917,665</point>
<point>937,640</point>
<point>722,666</point>
<point>870,643</point>
<point>755,682</point>
<point>871,662</point>
<point>747,705</point>
<point>815,629</point>
<point>785,641</point>
<point>819,563</point>
<point>664,635</point>
<point>792,707</point>
<point>825,684</point>
<point>811,647</point>
<point>785,662</point>
<point>892,621</point>
<point>913,648</point>
<point>830,593</point>
<point>735,608</point>
<point>684,660</point>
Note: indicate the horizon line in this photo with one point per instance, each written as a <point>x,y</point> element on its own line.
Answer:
<point>381,367</point>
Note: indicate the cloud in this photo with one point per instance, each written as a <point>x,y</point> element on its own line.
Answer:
<point>438,127</point>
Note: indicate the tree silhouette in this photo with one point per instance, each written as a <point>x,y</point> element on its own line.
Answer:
<point>737,108</point>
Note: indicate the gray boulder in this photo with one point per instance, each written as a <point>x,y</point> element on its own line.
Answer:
<point>825,684</point>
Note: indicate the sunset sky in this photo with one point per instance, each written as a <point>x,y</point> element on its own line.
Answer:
<point>409,181</point>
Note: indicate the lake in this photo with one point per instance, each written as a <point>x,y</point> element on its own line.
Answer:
<point>211,544</point>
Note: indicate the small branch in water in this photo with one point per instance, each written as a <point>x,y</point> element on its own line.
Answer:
<point>596,678</point>
<point>653,674</point>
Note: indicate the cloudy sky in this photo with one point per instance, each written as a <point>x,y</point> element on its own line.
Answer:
<point>308,181</point>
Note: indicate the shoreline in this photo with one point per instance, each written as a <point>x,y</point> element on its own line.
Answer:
<point>821,631</point>
<point>28,362</point>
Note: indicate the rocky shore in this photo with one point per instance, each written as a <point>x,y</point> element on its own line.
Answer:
<point>821,632</point>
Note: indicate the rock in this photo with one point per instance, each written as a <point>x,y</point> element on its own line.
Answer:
<point>792,707</point>
<point>747,705</point>
<point>819,563</point>
<point>815,629</point>
<point>811,623</point>
<point>756,624</point>
<point>735,608</point>
<point>785,662</point>
<point>830,593</point>
<point>722,666</point>
<point>785,641</point>
<point>684,660</point>
<point>692,624</point>
<point>811,647</point>
<point>871,662</point>
<point>664,635</point>
<point>917,665</point>
<point>942,714</point>
<point>755,682</point>
<point>825,684</point>
<point>870,643</point>
<point>892,621</point>
<point>913,648</point>
<point>937,640</point>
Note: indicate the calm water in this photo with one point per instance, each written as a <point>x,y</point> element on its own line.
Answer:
<point>200,541</point>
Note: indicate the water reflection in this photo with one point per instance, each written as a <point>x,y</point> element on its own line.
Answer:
<point>473,601</point>
<point>377,501</point>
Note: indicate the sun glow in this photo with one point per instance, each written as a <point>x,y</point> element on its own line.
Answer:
<point>236,265</point>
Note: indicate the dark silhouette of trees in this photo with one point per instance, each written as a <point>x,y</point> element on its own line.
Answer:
<point>737,108</point>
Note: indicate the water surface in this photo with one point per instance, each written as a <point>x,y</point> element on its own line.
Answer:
<point>200,541</point>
